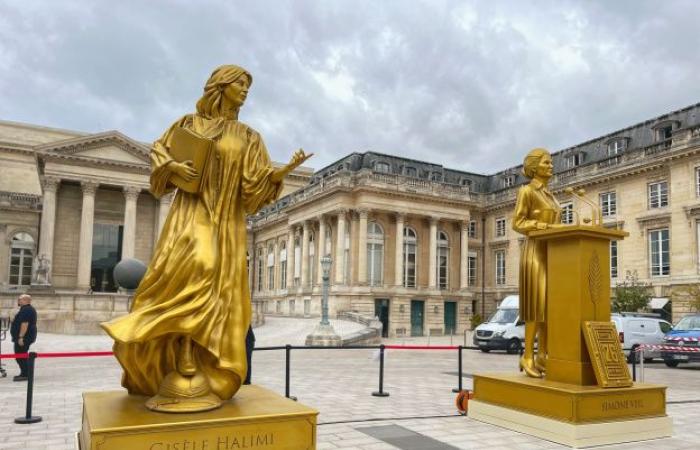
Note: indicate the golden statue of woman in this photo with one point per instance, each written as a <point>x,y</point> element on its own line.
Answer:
<point>183,341</point>
<point>535,209</point>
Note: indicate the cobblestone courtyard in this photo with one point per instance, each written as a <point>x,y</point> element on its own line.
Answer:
<point>336,382</point>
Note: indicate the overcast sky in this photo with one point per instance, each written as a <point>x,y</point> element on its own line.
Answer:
<point>470,85</point>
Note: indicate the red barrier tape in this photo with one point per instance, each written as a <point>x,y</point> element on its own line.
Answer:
<point>55,355</point>
<point>422,347</point>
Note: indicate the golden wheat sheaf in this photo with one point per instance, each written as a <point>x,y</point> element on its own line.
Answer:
<point>594,278</point>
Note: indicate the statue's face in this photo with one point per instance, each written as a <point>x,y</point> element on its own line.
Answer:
<point>545,167</point>
<point>237,91</point>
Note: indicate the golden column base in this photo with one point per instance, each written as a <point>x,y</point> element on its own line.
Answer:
<point>577,416</point>
<point>254,418</point>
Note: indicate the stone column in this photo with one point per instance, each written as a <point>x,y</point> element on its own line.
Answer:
<point>432,258</point>
<point>340,249</point>
<point>464,256</point>
<point>163,209</point>
<point>131,195</point>
<point>321,250</point>
<point>290,258</point>
<point>87,219</point>
<point>305,270</point>
<point>4,256</point>
<point>398,272</point>
<point>48,218</point>
<point>362,247</point>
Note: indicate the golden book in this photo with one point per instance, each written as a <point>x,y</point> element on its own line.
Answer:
<point>604,348</point>
<point>186,145</point>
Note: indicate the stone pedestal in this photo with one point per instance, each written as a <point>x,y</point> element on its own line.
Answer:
<point>324,336</point>
<point>254,418</point>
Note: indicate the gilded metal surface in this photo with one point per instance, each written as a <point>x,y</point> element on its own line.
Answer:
<point>191,312</point>
<point>256,418</point>
<point>570,403</point>
<point>608,360</point>
<point>535,209</point>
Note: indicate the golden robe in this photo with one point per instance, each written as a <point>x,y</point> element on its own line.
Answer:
<point>535,208</point>
<point>197,282</point>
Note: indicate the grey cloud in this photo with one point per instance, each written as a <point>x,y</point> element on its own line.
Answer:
<point>472,85</point>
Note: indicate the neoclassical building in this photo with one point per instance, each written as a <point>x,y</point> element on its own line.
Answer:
<point>76,204</point>
<point>425,247</point>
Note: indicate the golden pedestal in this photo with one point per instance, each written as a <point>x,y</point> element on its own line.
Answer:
<point>256,418</point>
<point>569,406</point>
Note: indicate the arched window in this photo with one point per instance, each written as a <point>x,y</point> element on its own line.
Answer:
<point>382,167</point>
<point>283,265</point>
<point>443,260</point>
<point>297,261</point>
<point>271,267</point>
<point>260,261</point>
<point>21,256</point>
<point>410,171</point>
<point>375,254</point>
<point>312,258</point>
<point>409,257</point>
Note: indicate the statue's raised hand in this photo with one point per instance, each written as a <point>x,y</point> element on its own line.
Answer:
<point>298,158</point>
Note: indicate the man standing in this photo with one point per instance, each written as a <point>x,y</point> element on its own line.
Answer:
<point>23,332</point>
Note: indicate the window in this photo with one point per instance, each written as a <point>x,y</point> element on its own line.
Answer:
<point>658,194</point>
<point>436,176</point>
<point>106,253</point>
<point>271,267</point>
<point>567,212</point>
<point>260,262</point>
<point>608,204</point>
<point>613,259</point>
<point>659,259</point>
<point>508,181</point>
<point>278,307</point>
<point>500,267</point>
<point>466,182</point>
<point>443,260</point>
<point>291,307</point>
<point>283,265</point>
<point>616,147</point>
<point>21,257</point>
<point>382,167</point>
<point>375,254</point>
<point>328,242</point>
<point>312,257</point>
<point>409,257</point>
<point>410,171</point>
<point>346,257</point>
<point>471,268</point>
<point>501,227</point>
<point>697,181</point>
<point>664,133</point>
<point>472,229</point>
<point>297,261</point>
<point>574,160</point>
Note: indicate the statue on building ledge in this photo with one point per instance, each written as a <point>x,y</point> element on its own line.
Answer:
<point>42,271</point>
<point>183,342</point>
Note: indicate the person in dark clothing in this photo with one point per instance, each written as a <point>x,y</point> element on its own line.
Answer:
<point>23,332</point>
<point>249,347</point>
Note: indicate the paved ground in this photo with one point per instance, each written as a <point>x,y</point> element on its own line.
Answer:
<point>338,383</point>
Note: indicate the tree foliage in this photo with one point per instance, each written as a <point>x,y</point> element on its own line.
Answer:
<point>631,295</point>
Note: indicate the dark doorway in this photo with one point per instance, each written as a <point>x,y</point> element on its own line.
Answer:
<point>450,318</point>
<point>381,310</point>
<point>417,314</point>
<point>106,253</point>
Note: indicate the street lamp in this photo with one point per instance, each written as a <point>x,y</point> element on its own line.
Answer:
<point>326,266</point>
<point>324,335</point>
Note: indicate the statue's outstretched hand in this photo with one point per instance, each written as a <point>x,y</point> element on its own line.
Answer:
<point>184,170</point>
<point>298,158</point>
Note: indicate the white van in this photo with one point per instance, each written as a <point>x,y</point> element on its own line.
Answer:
<point>504,330</point>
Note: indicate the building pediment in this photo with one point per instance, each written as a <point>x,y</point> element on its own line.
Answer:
<point>110,146</point>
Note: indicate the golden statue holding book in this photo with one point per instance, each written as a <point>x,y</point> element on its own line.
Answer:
<point>183,342</point>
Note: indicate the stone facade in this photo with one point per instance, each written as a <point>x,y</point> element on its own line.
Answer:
<point>81,201</point>
<point>645,177</point>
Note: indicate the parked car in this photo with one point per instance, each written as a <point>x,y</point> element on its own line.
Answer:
<point>504,330</point>
<point>635,329</point>
<point>685,334</point>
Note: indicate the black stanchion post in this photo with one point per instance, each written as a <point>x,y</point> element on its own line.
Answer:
<point>380,392</point>
<point>634,365</point>
<point>28,418</point>
<point>459,369</point>
<point>287,370</point>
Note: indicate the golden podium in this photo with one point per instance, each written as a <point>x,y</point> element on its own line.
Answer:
<point>578,400</point>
